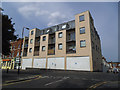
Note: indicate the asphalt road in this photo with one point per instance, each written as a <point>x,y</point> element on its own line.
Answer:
<point>59,79</point>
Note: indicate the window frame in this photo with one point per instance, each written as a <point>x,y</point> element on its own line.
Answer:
<point>82,30</point>
<point>30,49</point>
<point>59,45</point>
<point>64,26</point>
<point>32,32</point>
<point>82,41</point>
<point>59,34</point>
<point>42,48</point>
<point>31,40</point>
<point>80,19</point>
<point>43,38</point>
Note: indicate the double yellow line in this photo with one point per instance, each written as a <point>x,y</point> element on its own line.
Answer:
<point>38,76</point>
<point>96,85</point>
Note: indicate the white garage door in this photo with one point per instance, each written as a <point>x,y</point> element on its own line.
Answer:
<point>39,63</point>
<point>78,63</point>
<point>56,63</point>
<point>26,63</point>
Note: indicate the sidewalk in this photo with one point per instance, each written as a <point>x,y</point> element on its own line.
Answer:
<point>13,75</point>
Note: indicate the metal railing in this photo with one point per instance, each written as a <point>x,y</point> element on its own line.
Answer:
<point>36,53</point>
<point>51,52</point>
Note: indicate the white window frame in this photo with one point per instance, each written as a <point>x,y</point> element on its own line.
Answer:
<point>30,50</point>
<point>83,43</point>
<point>43,48</point>
<point>60,46</point>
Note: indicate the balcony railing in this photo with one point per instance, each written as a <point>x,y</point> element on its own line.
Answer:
<point>71,51</point>
<point>70,39</point>
<point>24,54</point>
<point>37,43</point>
<point>36,53</point>
<point>51,41</point>
<point>51,52</point>
<point>26,46</point>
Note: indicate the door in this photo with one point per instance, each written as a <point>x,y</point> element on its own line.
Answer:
<point>56,63</point>
<point>39,63</point>
<point>26,63</point>
<point>78,63</point>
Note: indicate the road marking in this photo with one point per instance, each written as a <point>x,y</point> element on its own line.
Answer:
<point>96,85</point>
<point>56,81</point>
<point>21,81</point>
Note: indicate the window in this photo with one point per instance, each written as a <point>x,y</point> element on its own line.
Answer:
<point>31,32</point>
<point>18,53</point>
<point>30,50</point>
<point>64,26</point>
<point>13,54</point>
<point>81,18</point>
<point>31,41</point>
<point>19,46</point>
<point>60,35</point>
<point>60,46</point>
<point>43,48</point>
<point>118,64</point>
<point>44,38</point>
<point>82,43</point>
<point>11,48</point>
<point>96,47</point>
<point>82,30</point>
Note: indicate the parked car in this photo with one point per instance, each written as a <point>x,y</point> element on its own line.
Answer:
<point>115,70</point>
<point>109,70</point>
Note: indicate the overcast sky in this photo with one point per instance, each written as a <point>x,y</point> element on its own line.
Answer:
<point>41,15</point>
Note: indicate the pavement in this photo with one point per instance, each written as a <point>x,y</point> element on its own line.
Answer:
<point>58,79</point>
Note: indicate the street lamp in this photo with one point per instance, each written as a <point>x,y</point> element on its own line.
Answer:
<point>21,48</point>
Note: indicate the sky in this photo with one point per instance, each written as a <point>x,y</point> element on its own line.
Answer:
<point>45,14</point>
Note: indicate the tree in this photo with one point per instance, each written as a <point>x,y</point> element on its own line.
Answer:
<point>7,34</point>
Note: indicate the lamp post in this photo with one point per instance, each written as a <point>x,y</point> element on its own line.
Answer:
<point>21,48</point>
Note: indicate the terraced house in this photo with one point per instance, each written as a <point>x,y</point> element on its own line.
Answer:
<point>72,45</point>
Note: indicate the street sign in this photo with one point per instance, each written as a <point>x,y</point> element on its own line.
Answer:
<point>17,59</point>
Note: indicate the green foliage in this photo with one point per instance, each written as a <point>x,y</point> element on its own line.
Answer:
<point>7,34</point>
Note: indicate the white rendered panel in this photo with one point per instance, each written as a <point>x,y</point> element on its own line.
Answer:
<point>56,63</point>
<point>78,63</point>
<point>39,63</point>
<point>26,63</point>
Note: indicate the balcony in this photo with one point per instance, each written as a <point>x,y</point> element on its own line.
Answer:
<point>51,52</point>
<point>70,39</point>
<point>37,43</point>
<point>36,53</point>
<point>51,41</point>
<point>24,54</point>
<point>26,46</point>
<point>71,51</point>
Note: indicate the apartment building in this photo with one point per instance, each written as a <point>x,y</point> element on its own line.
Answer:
<point>72,45</point>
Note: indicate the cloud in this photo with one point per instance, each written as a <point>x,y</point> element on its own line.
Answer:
<point>28,11</point>
<point>38,11</point>
<point>55,18</point>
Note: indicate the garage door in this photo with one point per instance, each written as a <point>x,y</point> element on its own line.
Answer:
<point>26,63</point>
<point>39,63</point>
<point>56,63</point>
<point>78,63</point>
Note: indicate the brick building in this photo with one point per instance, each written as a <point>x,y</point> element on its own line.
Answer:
<point>15,55</point>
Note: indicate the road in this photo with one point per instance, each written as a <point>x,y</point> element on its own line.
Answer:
<point>58,79</point>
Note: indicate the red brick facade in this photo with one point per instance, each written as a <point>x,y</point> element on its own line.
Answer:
<point>15,49</point>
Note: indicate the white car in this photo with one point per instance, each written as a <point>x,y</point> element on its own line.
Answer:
<point>115,70</point>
